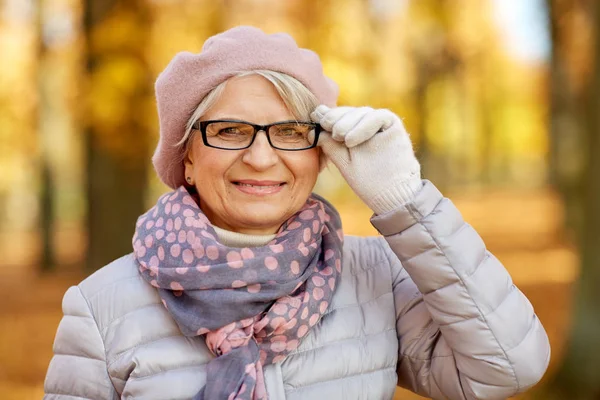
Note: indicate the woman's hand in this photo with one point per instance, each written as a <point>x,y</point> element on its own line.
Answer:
<point>373,152</point>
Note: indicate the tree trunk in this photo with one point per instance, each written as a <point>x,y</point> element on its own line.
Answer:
<point>47,219</point>
<point>117,135</point>
<point>577,378</point>
<point>567,134</point>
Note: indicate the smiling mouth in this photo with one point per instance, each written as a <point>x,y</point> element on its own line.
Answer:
<point>259,188</point>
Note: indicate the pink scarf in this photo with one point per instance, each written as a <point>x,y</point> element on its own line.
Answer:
<point>253,304</point>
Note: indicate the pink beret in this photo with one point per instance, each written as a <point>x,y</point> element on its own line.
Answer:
<point>190,77</point>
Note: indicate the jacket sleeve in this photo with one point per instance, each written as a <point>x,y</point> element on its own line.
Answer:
<point>465,331</point>
<point>78,368</point>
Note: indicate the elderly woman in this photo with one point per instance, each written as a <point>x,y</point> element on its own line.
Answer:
<point>242,284</point>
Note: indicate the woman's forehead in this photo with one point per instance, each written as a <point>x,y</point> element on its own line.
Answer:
<point>252,98</point>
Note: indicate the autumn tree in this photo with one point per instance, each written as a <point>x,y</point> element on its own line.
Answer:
<point>47,198</point>
<point>438,64</point>
<point>570,31</point>
<point>118,103</point>
<point>577,378</point>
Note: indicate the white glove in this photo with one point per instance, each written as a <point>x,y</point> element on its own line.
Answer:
<point>373,152</point>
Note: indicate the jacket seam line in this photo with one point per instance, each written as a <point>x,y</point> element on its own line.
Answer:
<point>482,316</point>
<point>373,264</point>
<point>420,336</point>
<point>357,304</point>
<point>101,338</point>
<point>431,381</point>
<point>414,296</point>
<point>415,213</point>
<point>120,317</point>
<point>527,332</point>
<point>437,244</point>
<point>78,356</point>
<point>141,378</point>
<point>414,376</point>
<point>343,340</point>
<point>121,354</point>
<point>389,261</point>
<point>405,355</point>
<point>68,395</point>
<point>393,280</point>
<point>504,300</point>
<point>300,387</point>
<point>409,259</point>
<point>411,304</point>
<point>461,228</point>
<point>111,284</point>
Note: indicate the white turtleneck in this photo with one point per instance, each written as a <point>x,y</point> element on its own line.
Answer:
<point>235,239</point>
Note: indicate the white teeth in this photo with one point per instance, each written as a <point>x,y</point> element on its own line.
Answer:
<point>258,186</point>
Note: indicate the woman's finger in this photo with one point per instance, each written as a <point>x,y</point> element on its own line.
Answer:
<point>348,121</point>
<point>367,127</point>
<point>317,115</point>
<point>337,152</point>
<point>332,116</point>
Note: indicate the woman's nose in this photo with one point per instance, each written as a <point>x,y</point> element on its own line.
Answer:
<point>260,156</point>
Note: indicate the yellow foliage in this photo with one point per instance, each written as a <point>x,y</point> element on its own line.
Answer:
<point>440,65</point>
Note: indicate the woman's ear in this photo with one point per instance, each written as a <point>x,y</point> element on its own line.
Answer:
<point>188,163</point>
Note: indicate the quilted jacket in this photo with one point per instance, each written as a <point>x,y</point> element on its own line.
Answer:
<point>425,306</point>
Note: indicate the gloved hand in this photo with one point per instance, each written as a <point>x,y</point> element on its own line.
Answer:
<point>373,152</point>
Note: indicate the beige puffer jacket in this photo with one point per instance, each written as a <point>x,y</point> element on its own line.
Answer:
<point>430,310</point>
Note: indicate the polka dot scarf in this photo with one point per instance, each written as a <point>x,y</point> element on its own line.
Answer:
<point>254,305</point>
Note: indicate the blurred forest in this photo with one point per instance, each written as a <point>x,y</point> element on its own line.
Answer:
<point>501,98</point>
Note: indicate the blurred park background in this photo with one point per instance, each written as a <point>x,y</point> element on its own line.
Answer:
<point>501,98</point>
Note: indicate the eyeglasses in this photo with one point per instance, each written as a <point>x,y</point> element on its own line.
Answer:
<point>231,134</point>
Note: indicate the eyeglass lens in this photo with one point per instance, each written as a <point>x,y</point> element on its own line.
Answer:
<point>238,135</point>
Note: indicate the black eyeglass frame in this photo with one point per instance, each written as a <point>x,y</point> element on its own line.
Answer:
<point>202,125</point>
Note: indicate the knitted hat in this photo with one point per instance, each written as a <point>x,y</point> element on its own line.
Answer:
<point>190,77</point>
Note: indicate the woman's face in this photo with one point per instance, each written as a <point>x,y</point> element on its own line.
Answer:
<point>253,190</point>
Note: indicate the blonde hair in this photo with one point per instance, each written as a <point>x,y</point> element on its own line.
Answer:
<point>297,98</point>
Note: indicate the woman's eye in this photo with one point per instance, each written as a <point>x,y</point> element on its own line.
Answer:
<point>230,131</point>
<point>288,132</point>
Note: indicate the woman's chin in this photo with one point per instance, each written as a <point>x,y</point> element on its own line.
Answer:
<point>261,217</point>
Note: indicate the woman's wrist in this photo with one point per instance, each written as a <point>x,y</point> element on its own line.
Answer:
<point>395,195</point>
